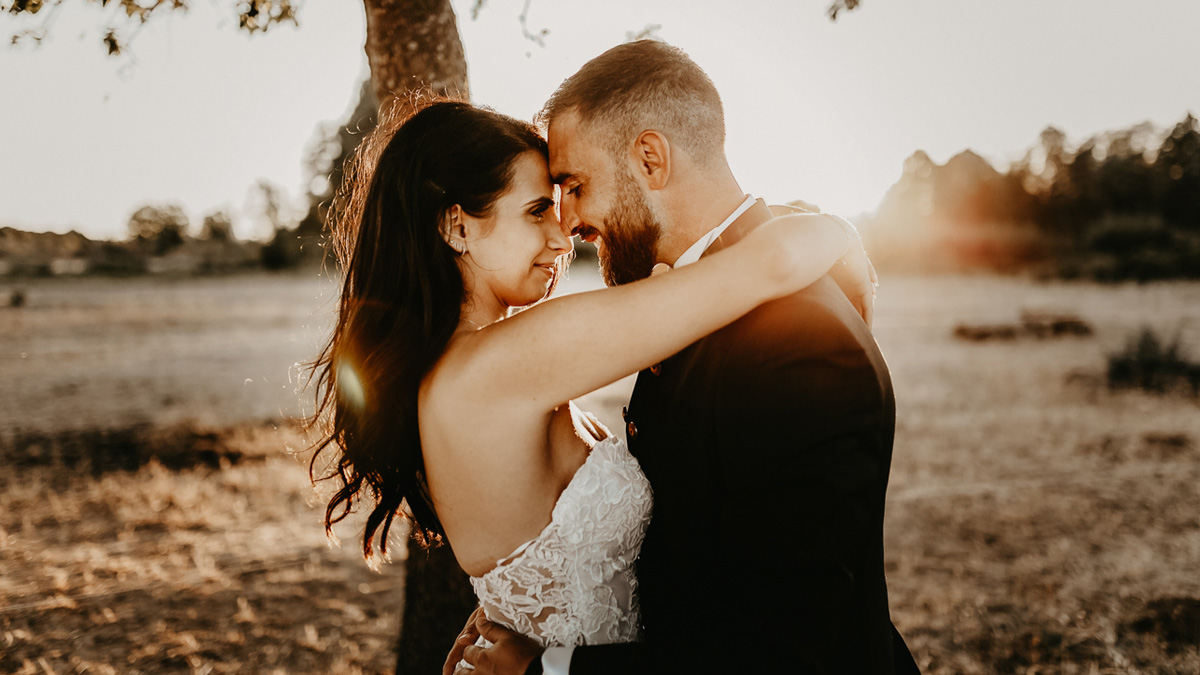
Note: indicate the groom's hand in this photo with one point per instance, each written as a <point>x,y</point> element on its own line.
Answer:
<point>510,653</point>
<point>467,637</point>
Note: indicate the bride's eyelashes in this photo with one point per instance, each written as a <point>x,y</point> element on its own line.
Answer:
<point>538,209</point>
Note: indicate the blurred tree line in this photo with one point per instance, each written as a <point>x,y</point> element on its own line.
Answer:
<point>1121,205</point>
<point>1118,206</point>
<point>160,229</point>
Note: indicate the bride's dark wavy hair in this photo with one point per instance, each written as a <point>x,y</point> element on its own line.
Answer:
<point>401,297</point>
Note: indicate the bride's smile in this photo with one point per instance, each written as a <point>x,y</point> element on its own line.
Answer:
<point>512,256</point>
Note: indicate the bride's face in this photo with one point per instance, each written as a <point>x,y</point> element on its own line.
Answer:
<point>514,252</point>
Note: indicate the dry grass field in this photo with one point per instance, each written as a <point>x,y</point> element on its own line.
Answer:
<point>1039,523</point>
<point>156,517</point>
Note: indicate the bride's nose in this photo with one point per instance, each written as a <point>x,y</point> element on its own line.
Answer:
<point>558,237</point>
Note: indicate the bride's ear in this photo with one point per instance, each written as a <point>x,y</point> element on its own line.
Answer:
<point>452,230</point>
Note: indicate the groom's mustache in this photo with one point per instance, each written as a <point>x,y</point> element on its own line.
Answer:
<point>587,232</point>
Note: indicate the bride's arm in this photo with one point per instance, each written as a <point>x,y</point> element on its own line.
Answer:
<point>568,346</point>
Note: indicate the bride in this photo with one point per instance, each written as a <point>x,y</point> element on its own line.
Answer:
<point>450,409</point>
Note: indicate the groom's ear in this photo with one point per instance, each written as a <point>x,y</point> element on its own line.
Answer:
<point>652,152</point>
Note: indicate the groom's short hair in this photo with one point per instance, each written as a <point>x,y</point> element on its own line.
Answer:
<point>642,85</point>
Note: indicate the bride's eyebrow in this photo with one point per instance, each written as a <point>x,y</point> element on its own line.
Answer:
<point>540,203</point>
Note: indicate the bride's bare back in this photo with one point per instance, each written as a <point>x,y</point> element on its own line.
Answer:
<point>494,473</point>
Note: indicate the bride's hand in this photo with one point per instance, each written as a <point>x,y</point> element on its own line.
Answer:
<point>795,250</point>
<point>855,275</point>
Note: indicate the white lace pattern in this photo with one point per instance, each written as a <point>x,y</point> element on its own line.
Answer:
<point>575,583</point>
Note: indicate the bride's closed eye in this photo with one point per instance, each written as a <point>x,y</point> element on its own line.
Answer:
<point>538,209</point>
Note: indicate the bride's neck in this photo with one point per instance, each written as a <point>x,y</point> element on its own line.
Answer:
<point>479,312</point>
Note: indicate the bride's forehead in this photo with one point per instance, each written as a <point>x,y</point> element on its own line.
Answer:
<point>530,177</point>
<point>530,166</point>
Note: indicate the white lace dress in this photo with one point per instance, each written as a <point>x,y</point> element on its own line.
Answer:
<point>575,583</point>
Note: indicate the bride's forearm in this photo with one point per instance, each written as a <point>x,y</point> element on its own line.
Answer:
<point>803,247</point>
<point>569,346</point>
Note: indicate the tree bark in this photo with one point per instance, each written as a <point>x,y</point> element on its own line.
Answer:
<point>413,44</point>
<point>438,598</point>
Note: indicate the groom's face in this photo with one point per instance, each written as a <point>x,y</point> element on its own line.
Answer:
<point>602,202</point>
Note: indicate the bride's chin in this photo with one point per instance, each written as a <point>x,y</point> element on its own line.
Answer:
<point>532,298</point>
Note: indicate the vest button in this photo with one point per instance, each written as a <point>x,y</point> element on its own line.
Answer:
<point>656,369</point>
<point>631,430</point>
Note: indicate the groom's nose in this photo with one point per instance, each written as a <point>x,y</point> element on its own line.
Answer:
<point>570,215</point>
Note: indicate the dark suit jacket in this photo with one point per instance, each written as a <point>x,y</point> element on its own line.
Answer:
<point>768,445</point>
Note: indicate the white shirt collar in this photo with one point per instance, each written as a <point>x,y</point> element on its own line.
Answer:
<point>697,249</point>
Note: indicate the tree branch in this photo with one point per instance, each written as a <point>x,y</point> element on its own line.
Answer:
<point>839,6</point>
<point>253,16</point>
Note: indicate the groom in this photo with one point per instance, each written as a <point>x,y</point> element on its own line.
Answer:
<point>768,443</point>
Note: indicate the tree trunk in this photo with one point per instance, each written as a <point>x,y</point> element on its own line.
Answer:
<point>438,598</point>
<point>414,44</point>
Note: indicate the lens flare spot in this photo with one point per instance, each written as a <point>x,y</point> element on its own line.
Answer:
<point>350,387</point>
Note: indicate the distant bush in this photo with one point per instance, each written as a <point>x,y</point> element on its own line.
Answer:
<point>1116,235</point>
<point>1152,364</point>
<point>218,226</point>
<point>1040,325</point>
<point>158,229</point>
<point>275,255</point>
<point>1138,248</point>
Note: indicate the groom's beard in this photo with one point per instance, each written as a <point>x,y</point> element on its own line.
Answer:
<point>630,248</point>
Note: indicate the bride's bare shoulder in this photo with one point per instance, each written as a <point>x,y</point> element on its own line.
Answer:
<point>462,377</point>
<point>444,379</point>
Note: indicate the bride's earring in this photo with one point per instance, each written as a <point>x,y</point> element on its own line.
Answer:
<point>459,246</point>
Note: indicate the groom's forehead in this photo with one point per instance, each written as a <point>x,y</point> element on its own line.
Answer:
<point>572,153</point>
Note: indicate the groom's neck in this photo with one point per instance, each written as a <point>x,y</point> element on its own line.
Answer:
<point>695,208</point>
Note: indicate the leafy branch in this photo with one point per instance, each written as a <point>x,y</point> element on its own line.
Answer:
<point>253,16</point>
<point>840,6</point>
<point>125,18</point>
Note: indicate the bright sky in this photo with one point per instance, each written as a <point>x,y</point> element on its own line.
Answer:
<point>816,110</point>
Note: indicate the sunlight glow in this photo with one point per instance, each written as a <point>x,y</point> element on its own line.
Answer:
<point>350,388</point>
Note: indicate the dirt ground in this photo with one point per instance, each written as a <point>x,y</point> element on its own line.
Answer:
<point>156,516</point>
